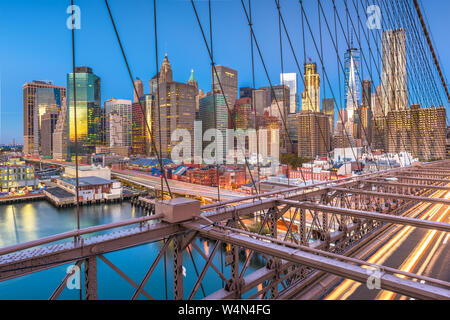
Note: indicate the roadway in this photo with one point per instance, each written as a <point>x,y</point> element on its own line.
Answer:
<point>419,251</point>
<point>178,187</point>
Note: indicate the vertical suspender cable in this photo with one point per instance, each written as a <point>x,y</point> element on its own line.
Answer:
<point>153,145</point>
<point>77,186</point>
<point>158,95</point>
<point>256,120</point>
<point>214,97</point>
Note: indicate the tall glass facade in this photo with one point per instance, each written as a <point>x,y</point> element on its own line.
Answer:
<point>352,79</point>
<point>290,80</point>
<point>48,100</point>
<point>89,124</point>
<point>211,121</point>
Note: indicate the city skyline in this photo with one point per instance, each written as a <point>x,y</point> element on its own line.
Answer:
<point>204,150</point>
<point>117,86</point>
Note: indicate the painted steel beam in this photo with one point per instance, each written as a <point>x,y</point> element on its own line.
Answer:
<point>432,173</point>
<point>423,179</point>
<point>393,196</point>
<point>349,271</point>
<point>33,260</point>
<point>408,185</point>
<point>441,226</point>
<point>75,233</point>
<point>438,170</point>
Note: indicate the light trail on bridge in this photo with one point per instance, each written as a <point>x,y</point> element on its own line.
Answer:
<point>347,289</point>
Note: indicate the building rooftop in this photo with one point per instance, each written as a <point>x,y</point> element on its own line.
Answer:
<point>87,181</point>
<point>150,162</point>
<point>59,193</point>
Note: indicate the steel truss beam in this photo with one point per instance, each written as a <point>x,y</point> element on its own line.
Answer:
<point>90,278</point>
<point>434,173</point>
<point>392,195</point>
<point>407,185</point>
<point>63,283</point>
<point>387,281</point>
<point>441,226</point>
<point>123,275</point>
<point>423,179</point>
<point>141,286</point>
<point>34,260</point>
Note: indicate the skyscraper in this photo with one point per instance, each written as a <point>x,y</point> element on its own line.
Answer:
<point>328,110</point>
<point>246,92</point>
<point>377,99</point>
<point>352,83</point>
<point>29,106</point>
<point>291,80</point>
<point>193,82</point>
<point>367,93</point>
<point>259,98</point>
<point>117,132</point>
<point>313,130</point>
<point>292,128</point>
<point>88,105</point>
<point>365,123</point>
<point>139,88</point>
<point>379,133</point>
<point>176,109</point>
<point>123,108</point>
<point>341,121</point>
<point>165,73</point>
<point>311,93</point>
<point>219,120</point>
<point>139,131</point>
<point>394,77</point>
<point>282,94</point>
<point>48,125</point>
<point>420,131</point>
<point>60,134</point>
<point>229,80</point>
<point>243,114</point>
<point>48,100</point>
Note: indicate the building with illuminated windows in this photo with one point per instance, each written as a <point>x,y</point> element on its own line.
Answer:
<point>89,111</point>
<point>311,93</point>
<point>243,114</point>
<point>177,103</point>
<point>16,177</point>
<point>313,135</point>
<point>139,131</point>
<point>379,133</point>
<point>419,131</point>
<point>38,96</point>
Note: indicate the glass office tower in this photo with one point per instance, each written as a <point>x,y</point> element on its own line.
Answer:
<point>47,100</point>
<point>88,115</point>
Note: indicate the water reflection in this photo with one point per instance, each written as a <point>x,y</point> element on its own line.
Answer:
<point>25,222</point>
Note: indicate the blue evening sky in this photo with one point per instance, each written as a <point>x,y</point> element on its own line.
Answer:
<point>36,45</point>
